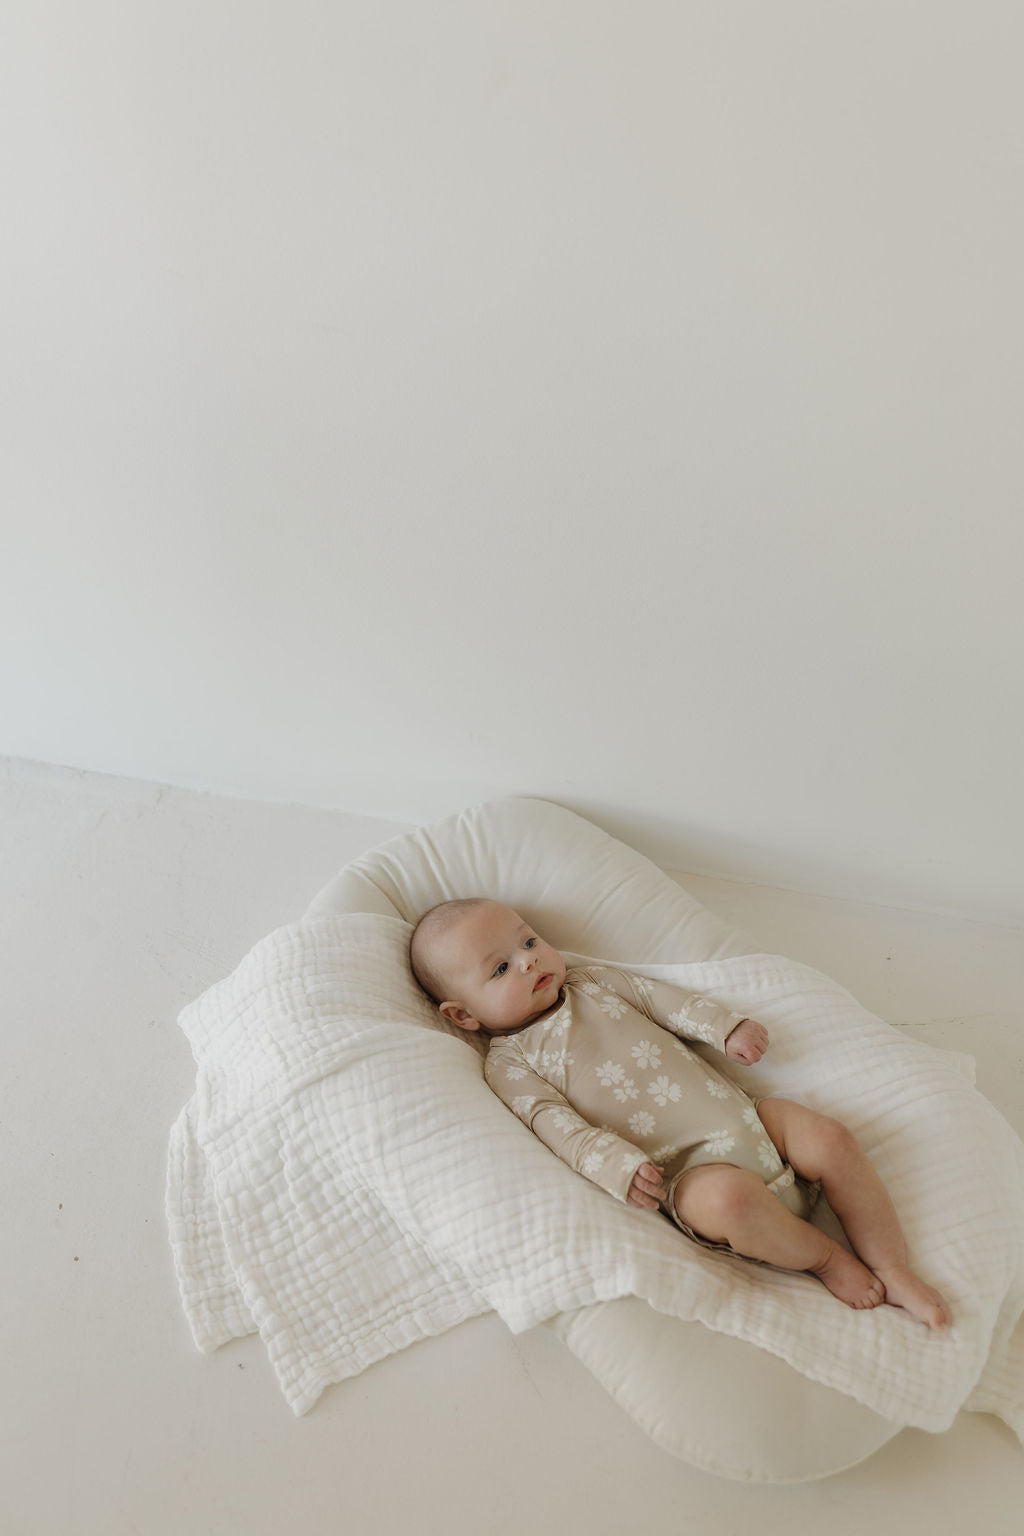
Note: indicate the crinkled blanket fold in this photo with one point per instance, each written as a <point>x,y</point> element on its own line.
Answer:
<point>344,1182</point>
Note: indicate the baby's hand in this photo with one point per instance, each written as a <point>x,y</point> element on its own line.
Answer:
<point>648,1185</point>
<point>747,1042</point>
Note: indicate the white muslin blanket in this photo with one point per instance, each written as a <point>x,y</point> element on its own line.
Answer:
<point>344,1182</point>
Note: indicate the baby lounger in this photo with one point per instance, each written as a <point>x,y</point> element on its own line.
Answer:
<point>317,1188</point>
<point>715,1401</point>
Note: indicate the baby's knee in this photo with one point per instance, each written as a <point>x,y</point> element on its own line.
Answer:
<point>718,1200</point>
<point>832,1144</point>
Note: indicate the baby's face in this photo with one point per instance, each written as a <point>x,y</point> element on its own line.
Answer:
<point>501,973</point>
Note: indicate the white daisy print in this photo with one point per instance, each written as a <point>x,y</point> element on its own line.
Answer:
<point>768,1155</point>
<point>693,1027</point>
<point>523,1103</point>
<point>719,1142</point>
<point>565,1120</point>
<point>629,1161</point>
<point>607,1139</point>
<point>610,1072</point>
<point>612,1005</point>
<point>662,1154</point>
<point>716,1090</point>
<point>626,1090</point>
<point>642,985</point>
<point>555,1060</point>
<point>642,1124</point>
<point>515,1072</point>
<point>752,1121</point>
<point>648,1054</point>
<point>593,1163</point>
<point>589,987</point>
<point>662,1090</point>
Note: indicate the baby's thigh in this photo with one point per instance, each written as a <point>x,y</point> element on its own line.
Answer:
<point>810,1142</point>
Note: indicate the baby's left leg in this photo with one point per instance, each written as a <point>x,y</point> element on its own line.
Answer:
<point>817,1147</point>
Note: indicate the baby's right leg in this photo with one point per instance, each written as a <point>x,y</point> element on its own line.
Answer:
<point>731,1205</point>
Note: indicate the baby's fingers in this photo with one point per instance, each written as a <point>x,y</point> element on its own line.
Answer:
<point>639,1197</point>
<point>648,1184</point>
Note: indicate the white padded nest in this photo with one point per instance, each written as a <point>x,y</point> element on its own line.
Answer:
<point>705,1393</point>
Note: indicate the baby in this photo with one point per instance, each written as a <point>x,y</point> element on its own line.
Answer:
<point>573,1054</point>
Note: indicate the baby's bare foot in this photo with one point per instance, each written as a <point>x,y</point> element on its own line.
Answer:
<point>904,1289</point>
<point>849,1279</point>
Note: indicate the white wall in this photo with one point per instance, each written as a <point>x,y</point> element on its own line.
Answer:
<point>406,403</point>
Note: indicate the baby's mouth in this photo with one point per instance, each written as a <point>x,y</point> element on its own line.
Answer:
<point>542,981</point>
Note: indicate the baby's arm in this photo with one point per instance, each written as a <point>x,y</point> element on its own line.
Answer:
<point>602,1156</point>
<point>686,1014</point>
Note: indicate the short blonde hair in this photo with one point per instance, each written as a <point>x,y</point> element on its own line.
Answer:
<point>423,945</point>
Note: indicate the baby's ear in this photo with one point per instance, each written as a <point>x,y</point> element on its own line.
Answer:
<point>456,1014</point>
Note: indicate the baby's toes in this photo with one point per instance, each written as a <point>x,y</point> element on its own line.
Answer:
<point>871,1296</point>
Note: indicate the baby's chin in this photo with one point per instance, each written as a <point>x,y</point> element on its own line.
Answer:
<point>531,1018</point>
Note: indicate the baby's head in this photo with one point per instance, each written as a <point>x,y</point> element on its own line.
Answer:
<point>484,966</point>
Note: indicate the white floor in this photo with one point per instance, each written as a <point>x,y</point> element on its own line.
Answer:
<point>122,901</point>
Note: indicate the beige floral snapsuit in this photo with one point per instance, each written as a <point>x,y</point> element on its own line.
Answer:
<point>608,1083</point>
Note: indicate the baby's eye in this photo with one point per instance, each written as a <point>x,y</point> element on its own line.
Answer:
<point>529,942</point>
<point>501,968</point>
